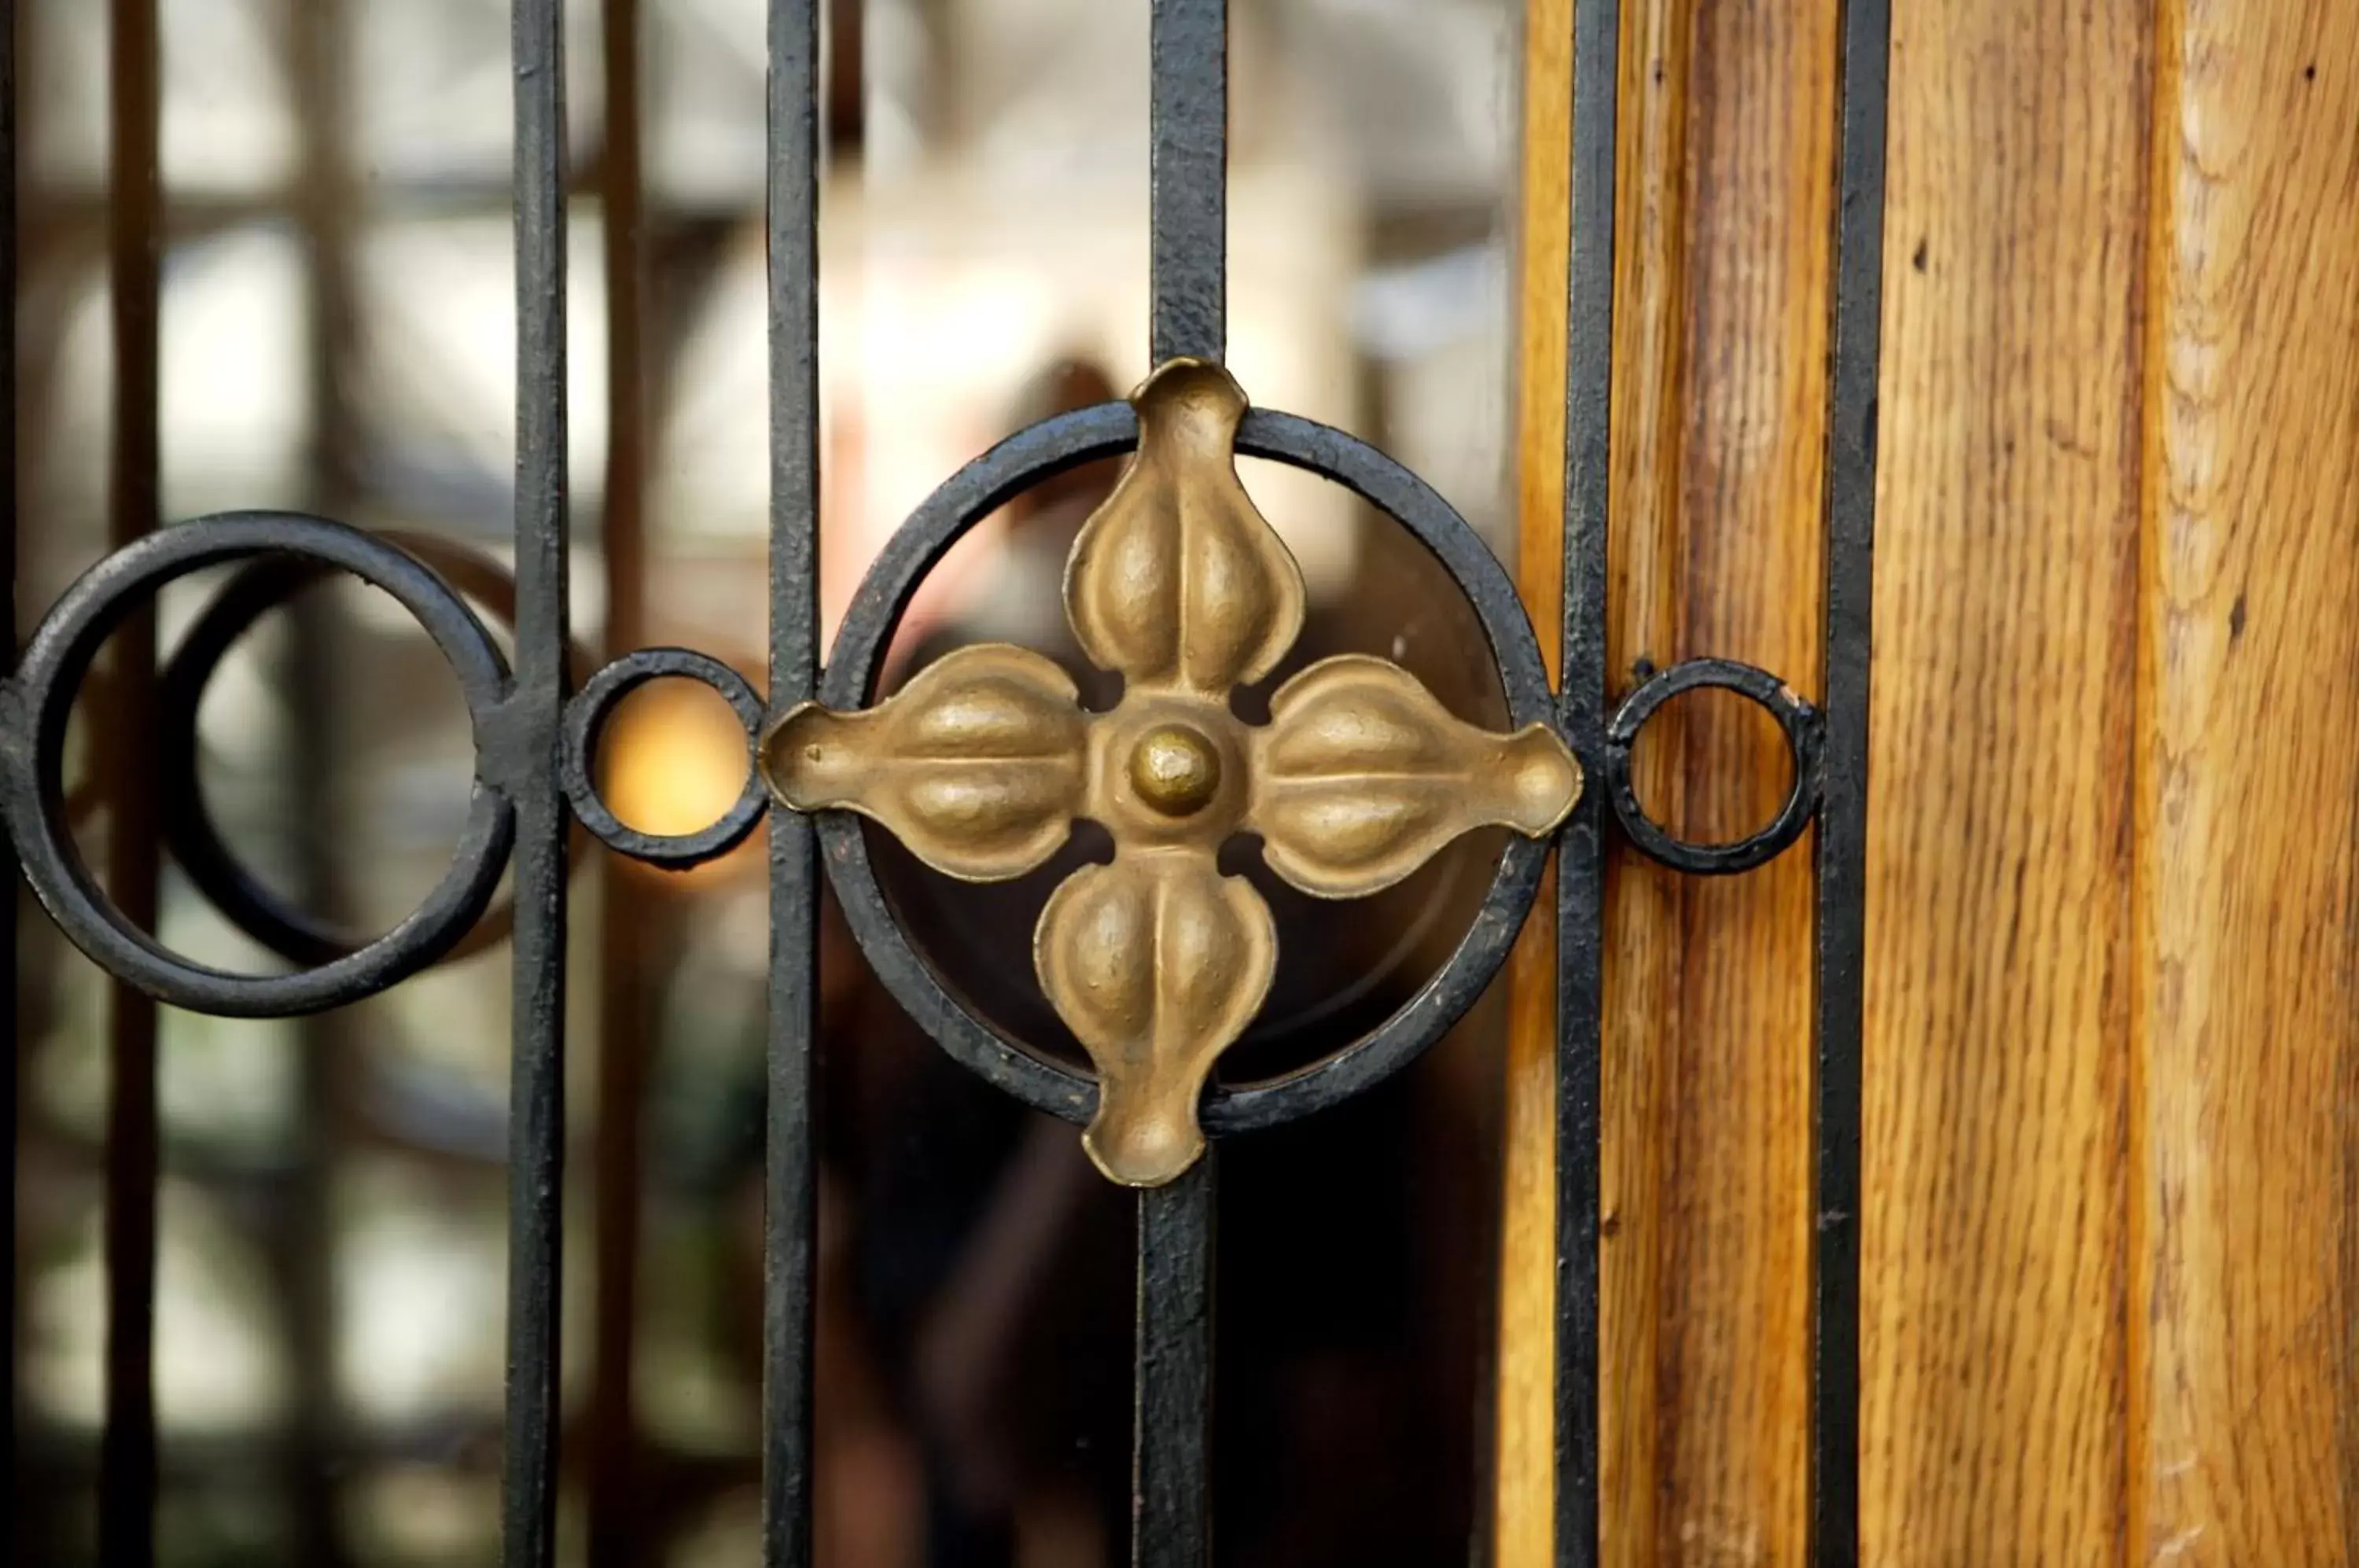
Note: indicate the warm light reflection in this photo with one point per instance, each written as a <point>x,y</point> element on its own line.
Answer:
<point>674,758</point>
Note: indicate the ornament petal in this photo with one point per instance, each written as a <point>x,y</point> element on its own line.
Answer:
<point>977,765</point>
<point>1157,962</point>
<point>1177,579</point>
<point>1362,775</point>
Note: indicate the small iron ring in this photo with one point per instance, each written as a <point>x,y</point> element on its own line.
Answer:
<point>39,701</point>
<point>1796,720</point>
<point>586,720</point>
<point>195,840</point>
<point>1109,429</point>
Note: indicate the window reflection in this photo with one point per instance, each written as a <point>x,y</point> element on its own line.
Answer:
<point>331,1267</point>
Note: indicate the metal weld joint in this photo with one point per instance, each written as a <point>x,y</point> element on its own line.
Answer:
<point>1157,960</point>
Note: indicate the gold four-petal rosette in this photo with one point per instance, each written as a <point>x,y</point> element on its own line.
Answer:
<point>1157,960</point>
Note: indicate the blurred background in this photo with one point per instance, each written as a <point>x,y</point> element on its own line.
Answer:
<point>336,336</point>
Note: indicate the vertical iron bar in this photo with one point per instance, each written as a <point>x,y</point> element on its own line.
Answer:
<point>1170,1499</point>
<point>1581,860</point>
<point>318,32</point>
<point>616,1507</point>
<point>10,483</point>
<point>1843,802</point>
<point>1189,118</point>
<point>536,1084</point>
<point>791,1183</point>
<point>127,1500</point>
<point>1172,1512</point>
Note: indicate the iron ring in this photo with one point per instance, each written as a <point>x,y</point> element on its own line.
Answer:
<point>1796,720</point>
<point>1107,429</point>
<point>39,701</point>
<point>585,719</point>
<point>196,843</point>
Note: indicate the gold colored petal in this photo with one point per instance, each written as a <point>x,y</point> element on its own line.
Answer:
<point>977,765</point>
<point>1157,962</point>
<point>1176,579</point>
<point>1362,775</point>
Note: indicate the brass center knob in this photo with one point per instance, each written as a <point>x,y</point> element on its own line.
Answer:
<point>1175,770</point>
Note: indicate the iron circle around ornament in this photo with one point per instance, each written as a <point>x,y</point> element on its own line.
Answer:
<point>1108,430</point>
<point>40,699</point>
<point>1797,722</point>
<point>585,719</point>
<point>189,832</point>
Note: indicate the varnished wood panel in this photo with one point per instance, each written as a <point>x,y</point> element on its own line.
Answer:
<point>1642,930</point>
<point>1735,1118</point>
<point>1998,997</point>
<point>2245,1043</point>
<point>1724,178</point>
<point>1524,1427</point>
<point>2111,1264</point>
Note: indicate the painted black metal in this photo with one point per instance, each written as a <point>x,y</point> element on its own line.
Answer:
<point>1843,810</point>
<point>1189,158</point>
<point>122,768</point>
<point>524,760</point>
<point>1170,1499</point>
<point>585,719</point>
<point>1188,118</point>
<point>790,1186</point>
<point>280,923</point>
<point>11,1079</point>
<point>978,489</point>
<point>1581,849</point>
<point>34,707</point>
<point>1796,720</point>
<point>536,751</point>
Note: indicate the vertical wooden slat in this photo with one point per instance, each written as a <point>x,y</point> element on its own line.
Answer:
<point>2244,1441</point>
<point>1643,932</point>
<point>1734,1122</point>
<point>1725,164</point>
<point>1997,1002</point>
<point>1523,1488</point>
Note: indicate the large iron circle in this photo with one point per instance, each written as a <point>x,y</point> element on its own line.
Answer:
<point>32,744</point>
<point>1797,721</point>
<point>1108,430</point>
<point>586,720</point>
<point>195,840</point>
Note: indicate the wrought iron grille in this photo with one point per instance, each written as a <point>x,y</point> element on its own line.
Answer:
<point>1191,571</point>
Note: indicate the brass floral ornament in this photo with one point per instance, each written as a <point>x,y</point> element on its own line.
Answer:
<point>1157,960</point>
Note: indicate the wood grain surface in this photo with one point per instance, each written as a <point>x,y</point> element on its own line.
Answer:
<point>1719,420</point>
<point>2244,1443</point>
<point>2111,1269</point>
<point>1523,1481</point>
<point>1994,1257</point>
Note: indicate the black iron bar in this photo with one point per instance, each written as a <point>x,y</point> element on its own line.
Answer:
<point>1580,856</point>
<point>12,1080</point>
<point>527,763</point>
<point>1170,1498</point>
<point>1189,116</point>
<point>610,1460</point>
<point>303,1247</point>
<point>1843,806</point>
<point>127,1485</point>
<point>791,1179</point>
<point>1171,1510</point>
